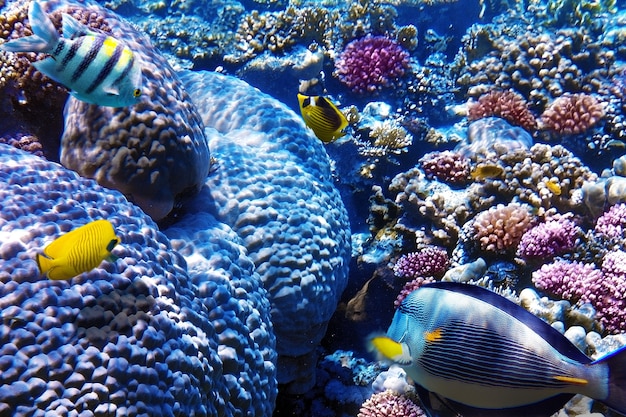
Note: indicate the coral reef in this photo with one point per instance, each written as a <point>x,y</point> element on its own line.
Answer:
<point>411,286</point>
<point>155,151</point>
<point>447,166</point>
<point>507,105</point>
<point>491,137</point>
<point>562,278</point>
<point>572,114</point>
<point>138,336</point>
<point>273,186</point>
<point>390,404</point>
<point>429,261</point>
<point>549,239</point>
<point>500,229</point>
<point>369,64</point>
<point>612,222</point>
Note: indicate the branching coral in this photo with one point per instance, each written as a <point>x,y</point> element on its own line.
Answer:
<point>446,166</point>
<point>508,105</point>
<point>549,239</point>
<point>429,261</point>
<point>612,223</point>
<point>385,139</point>
<point>369,64</point>
<point>500,229</point>
<point>390,404</point>
<point>572,114</point>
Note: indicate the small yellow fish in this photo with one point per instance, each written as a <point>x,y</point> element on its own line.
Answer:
<point>323,117</point>
<point>554,186</point>
<point>482,172</point>
<point>78,251</point>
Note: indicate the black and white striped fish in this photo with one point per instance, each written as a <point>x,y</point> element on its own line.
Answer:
<point>97,68</point>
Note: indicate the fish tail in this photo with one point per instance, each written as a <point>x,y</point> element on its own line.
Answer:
<point>44,263</point>
<point>616,363</point>
<point>45,36</point>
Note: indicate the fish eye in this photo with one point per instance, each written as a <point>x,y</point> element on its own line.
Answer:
<point>136,92</point>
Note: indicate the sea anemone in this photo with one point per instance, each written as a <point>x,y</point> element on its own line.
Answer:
<point>370,64</point>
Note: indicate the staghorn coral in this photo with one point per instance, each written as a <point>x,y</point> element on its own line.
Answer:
<point>500,229</point>
<point>508,105</point>
<point>390,404</point>
<point>447,166</point>
<point>369,64</point>
<point>572,114</point>
<point>155,151</point>
<point>274,187</point>
<point>142,335</point>
<point>430,261</point>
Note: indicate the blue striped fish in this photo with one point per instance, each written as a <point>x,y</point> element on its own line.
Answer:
<point>95,67</point>
<point>78,251</point>
<point>474,353</point>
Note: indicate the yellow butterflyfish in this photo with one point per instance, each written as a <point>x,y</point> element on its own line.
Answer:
<point>323,117</point>
<point>78,251</point>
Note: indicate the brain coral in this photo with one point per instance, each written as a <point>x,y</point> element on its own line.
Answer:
<point>274,188</point>
<point>136,337</point>
<point>371,63</point>
<point>154,151</point>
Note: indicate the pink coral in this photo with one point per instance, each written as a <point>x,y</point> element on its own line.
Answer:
<point>371,63</point>
<point>612,223</point>
<point>500,228</point>
<point>508,105</point>
<point>564,279</point>
<point>390,404</point>
<point>447,166</point>
<point>430,261</point>
<point>572,114</point>
<point>549,239</point>
<point>411,286</point>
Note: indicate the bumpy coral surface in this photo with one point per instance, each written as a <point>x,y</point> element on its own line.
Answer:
<point>371,63</point>
<point>446,166</point>
<point>429,261</point>
<point>572,114</point>
<point>135,337</point>
<point>612,223</point>
<point>273,186</point>
<point>155,151</point>
<point>508,105</point>
<point>548,239</point>
<point>500,228</point>
<point>390,404</point>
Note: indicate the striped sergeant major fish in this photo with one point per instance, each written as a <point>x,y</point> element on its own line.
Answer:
<point>473,353</point>
<point>95,67</point>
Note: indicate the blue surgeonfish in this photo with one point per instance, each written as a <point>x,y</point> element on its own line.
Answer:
<point>323,117</point>
<point>473,353</point>
<point>94,66</point>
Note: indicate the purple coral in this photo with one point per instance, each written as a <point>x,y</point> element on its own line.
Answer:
<point>613,222</point>
<point>430,261</point>
<point>548,239</point>
<point>371,63</point>
<point>564,279</point>
<point>390,404</point>
<point>411,286</point>
<point>446,166</point>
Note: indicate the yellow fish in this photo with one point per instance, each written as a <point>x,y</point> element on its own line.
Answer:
<point>482,172</point>
<point>554,186</point>
<point>323,117</point>
<point>78,251</point>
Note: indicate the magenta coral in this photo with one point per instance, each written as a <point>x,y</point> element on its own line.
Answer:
<point>430,261</point>
<point>371,63</point>
<point>572,114</point>
<point>613,222</point>
<point>500,228</point>
<point>549,239</point>
<point>411,286</point>
<point>390,404</point>
<point>564,279</point>
<point>508,105</point>
<point>447,166</point>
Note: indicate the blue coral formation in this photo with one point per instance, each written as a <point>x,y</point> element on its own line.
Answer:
<point>273,186</point>
<point>155,151</point>
<point>141,336</point>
